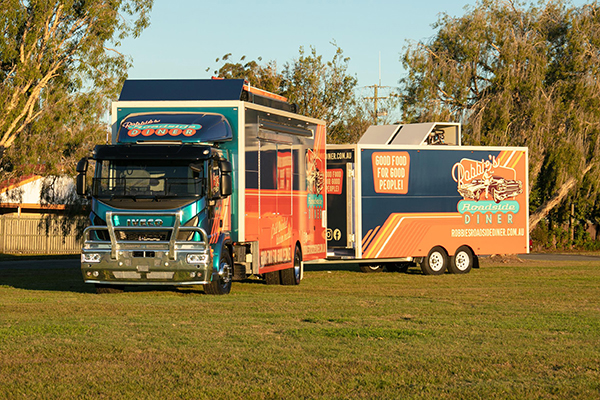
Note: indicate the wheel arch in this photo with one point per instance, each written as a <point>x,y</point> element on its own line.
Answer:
<point>463,245</point>
<point>223,244</point>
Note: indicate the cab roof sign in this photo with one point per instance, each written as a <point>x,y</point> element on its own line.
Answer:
<point>182,127</point>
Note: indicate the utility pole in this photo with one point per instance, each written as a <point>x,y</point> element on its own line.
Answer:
<point>376,97</point>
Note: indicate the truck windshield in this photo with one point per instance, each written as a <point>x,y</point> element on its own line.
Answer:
<point>140,179</point>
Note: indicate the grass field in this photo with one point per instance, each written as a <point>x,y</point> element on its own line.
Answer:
<point>524,330</point>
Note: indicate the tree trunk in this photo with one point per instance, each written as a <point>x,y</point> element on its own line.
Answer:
<point>555,200</point>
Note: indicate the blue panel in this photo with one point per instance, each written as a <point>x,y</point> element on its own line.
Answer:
<point>431,187</point>
<point>182,90</point>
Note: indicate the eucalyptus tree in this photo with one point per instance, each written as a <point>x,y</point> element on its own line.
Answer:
<point>265,76</point>
<point>320,89</point>
<point>59,64</point>
<point>521,75</point>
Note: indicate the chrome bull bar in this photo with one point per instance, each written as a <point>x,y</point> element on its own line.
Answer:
<point>173,245</point>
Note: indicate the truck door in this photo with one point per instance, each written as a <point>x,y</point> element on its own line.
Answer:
<point>214,205</point>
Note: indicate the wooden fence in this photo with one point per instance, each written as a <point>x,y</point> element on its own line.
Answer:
<point>26,235</point>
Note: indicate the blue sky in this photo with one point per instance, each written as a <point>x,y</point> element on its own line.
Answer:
<point>186,36</point>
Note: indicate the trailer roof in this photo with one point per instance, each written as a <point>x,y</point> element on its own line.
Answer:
<point>411,134</point>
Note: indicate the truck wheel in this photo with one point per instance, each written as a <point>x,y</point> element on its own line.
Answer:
<point>462,261</point>
<point>291,276</point>
<point>222,283</point>
<point>108,289</point>
<point>272,278</point>
<point>371,268</point>
<point>436,261</point>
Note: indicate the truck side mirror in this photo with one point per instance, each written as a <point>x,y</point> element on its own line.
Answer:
<point>226,185</point>
<point>82,166</point>
<point>80,185</point>
<point>81,169</point>
<point>226,181</point>
<point>225,166</point>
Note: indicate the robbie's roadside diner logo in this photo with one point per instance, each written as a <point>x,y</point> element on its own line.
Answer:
<point>485,179</point>
<point>489,192</point>
<point>154,127</point>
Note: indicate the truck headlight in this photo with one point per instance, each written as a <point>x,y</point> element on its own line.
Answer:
<point>197,258</point>
<point>90,257</point>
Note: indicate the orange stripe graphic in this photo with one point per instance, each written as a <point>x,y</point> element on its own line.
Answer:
<point>519,156</point>
<point>393,224</point>
<point>370,235</point>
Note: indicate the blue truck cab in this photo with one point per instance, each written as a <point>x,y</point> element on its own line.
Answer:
<point>160,204</point>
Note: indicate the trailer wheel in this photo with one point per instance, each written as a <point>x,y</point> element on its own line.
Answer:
<point>462,261</point>
<point>108,289</point>
<point>371,267</point>
<point>222,284</point>
<point>436,261</point>
<point>291,276</point>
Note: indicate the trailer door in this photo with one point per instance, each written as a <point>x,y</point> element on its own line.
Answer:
<point>340,201</point>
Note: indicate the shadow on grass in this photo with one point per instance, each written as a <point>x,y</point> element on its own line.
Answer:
<point>354,267</point>
<point>61,274</point>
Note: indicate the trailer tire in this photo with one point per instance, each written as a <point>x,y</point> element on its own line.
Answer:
<point>222,284</point>
<point>436,261</point>
<point>291,276</point>
<point>371,268</point>
<point>108,289</point>
<point>462,261</point>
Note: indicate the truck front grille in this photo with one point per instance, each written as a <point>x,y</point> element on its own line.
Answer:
<point>143,236</point>
<point>127,275</point>
<point>160,275</point>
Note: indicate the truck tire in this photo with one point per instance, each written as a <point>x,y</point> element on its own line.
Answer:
<point>462,261</point>
<point>436,261</point>
<point>401,267</point>
<point>272,278</point>
<point>222,284</point>
<point>291,276</point>
<point>371,268</point>
<point>108,289</point>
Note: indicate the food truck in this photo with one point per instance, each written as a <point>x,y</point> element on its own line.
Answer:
<point>203,182</point>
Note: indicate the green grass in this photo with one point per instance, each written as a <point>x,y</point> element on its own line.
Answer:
<point>526,330</point>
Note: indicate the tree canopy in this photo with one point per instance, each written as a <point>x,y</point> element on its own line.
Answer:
<point>57,72</point>
<point>519,75</point>
<point>321,89</point>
